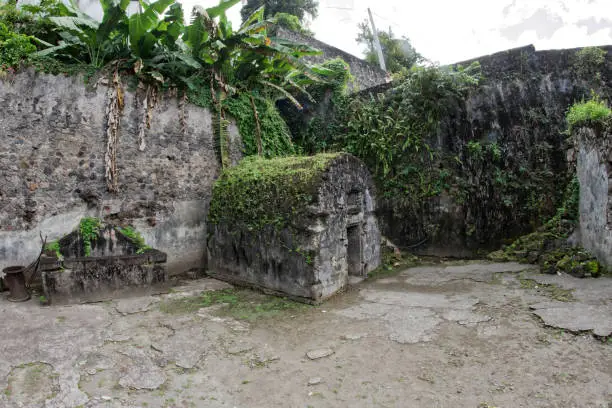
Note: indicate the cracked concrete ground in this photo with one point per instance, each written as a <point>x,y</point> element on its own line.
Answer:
<point>447,335</point>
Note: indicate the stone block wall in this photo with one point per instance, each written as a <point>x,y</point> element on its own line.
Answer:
<point>366,75</point>
<point>53,132</point>
<point>593,155</point>
<point>520,106</point>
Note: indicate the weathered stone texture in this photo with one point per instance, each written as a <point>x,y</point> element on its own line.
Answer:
<point>521,106</point>
<point>594,170</point>
<point>53,130</point>
<point>311,258</point>
<point>115,265</point>
<point>366,75</point>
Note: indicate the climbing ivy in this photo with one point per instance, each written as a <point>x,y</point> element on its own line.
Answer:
<point>275,136</point>
<point>54,246</point>
<point>322,117</point>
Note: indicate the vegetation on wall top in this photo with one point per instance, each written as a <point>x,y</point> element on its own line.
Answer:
<point>298,8</point>
<point>588,113</point>
<point>399,54</point>
<point>236,73</point>
<point>267,192</point>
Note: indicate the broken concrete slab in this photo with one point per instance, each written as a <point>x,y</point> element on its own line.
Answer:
<point>185,348</point>
<point>591,291</point>
<point>576,317</point>
<point>32,384</point>
<point>416,299</point>
<point>196,287</point>
<point>412,317</point>
<point>465,317</point>
<point>239,349</point>
<point>474,271</point>
<point>139,370</point>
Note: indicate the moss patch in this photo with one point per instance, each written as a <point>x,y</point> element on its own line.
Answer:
<point>242,304</point>
<point>548,246</point>
<point>392,263</point>
<point>553,291</point>
<point>260,192</point>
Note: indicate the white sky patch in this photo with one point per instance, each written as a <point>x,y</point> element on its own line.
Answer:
<point>447,31</point>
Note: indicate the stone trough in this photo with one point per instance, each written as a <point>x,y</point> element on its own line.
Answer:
<point>113,265</point>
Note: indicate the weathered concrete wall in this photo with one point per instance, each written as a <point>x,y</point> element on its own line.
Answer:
<point>520,106</point>
<point>594,169</point>
<point>366,75</point>
<point>309,258</point>
<point>53,132</point>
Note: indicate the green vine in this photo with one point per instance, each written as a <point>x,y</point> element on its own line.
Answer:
<point>275,135</point>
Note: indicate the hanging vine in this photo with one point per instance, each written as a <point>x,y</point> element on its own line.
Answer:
<point>150,100</point>
<point>182,101</point>
<point>257,127</point>
<point>113,112</point>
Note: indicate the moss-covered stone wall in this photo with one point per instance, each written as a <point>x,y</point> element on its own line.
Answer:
<point>282,224</point>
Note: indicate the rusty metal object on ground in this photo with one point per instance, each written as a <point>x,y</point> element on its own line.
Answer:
<point>15,280</point>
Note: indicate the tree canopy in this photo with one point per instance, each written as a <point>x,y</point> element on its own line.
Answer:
<point>399,53</point>
<point>298,8</point>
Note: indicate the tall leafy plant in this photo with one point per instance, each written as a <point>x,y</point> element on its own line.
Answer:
<point>85,40</point>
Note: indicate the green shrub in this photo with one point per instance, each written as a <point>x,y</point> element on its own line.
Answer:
<point>135,237</point>
<point>588,61</point>
<point>13,47</point>
<point>292,23</point>
<point>89,228</point>
<point>588,112</point>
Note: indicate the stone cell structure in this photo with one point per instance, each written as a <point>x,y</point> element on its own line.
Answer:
<point>298,226</point>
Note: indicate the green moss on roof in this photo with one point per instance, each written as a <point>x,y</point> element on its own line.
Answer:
<point>260,192</point>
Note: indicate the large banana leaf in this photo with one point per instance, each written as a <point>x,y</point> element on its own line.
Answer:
<point>144,22</point>
<point>115,19</point>
<point>74,23</point>
<point>221,8</point>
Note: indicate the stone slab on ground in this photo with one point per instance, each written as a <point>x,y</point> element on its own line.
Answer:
<point>135,305</point>
<point>319,353</point>
<point>474,271</point>
<point>196,287</point>
<point>591,291</point>
<point>576,317</point>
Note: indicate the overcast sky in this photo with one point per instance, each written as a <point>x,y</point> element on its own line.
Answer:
<point>447,31</point>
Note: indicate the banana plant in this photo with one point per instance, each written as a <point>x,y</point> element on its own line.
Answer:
<point>86,40</point>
